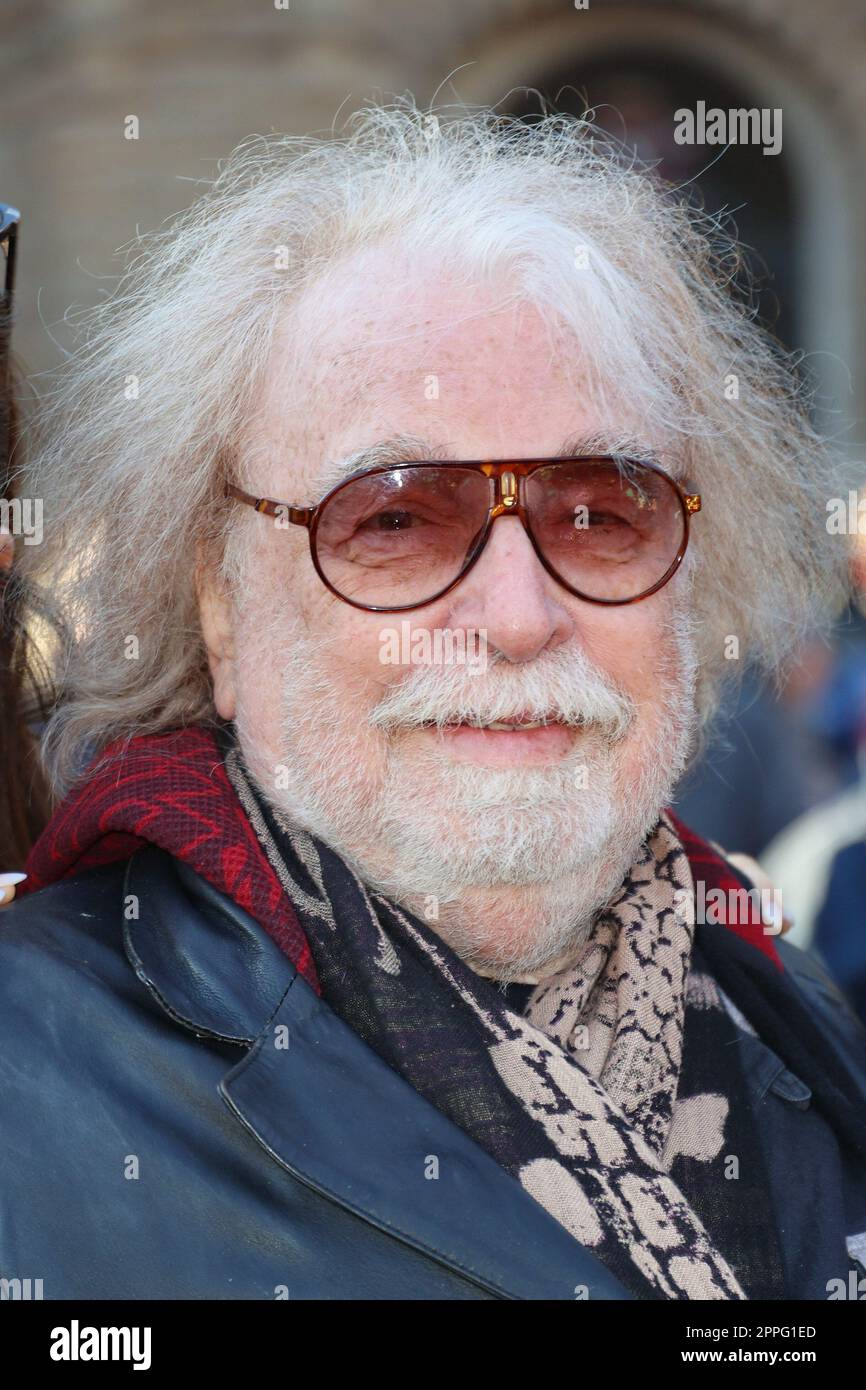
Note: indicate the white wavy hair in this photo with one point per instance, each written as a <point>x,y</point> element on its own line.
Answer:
<point>572,225</point>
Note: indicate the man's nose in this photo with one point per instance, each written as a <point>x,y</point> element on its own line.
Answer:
<point>510,596</point>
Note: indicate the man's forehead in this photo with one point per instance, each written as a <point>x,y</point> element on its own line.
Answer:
<point>441,372</point>
<point>308,480</point>
<point>385,320</point>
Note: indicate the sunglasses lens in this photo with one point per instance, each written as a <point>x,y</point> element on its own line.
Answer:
<point>611,531</point>
<point>396,539</point>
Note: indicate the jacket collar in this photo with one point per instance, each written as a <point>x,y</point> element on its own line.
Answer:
<point>326,1108</point>
<point>204,959</point>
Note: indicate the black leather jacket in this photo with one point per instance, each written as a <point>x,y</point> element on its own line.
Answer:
<point>182,1118</point>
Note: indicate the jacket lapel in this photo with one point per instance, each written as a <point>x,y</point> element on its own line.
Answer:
<point>324,1106</point>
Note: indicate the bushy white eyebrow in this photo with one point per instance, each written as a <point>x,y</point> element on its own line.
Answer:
<point>411,448</point>
<point>398,448</point>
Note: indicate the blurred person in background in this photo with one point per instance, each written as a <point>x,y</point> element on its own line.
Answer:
<point>776,754</point>
<point>751,781</point>
<point>819,860</point>
<point>24,795</point>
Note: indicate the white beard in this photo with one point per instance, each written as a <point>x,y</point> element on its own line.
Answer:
<point>508,865</point>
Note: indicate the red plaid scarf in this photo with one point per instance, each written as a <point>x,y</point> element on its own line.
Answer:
<point>171,790</point>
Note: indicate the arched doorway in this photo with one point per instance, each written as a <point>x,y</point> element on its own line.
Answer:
<point>634,99</point>
<point>807,249</point>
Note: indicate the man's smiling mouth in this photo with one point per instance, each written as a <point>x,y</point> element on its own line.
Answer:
<point>518,723</point>
<point>520,726</point>
<point>519,738</point>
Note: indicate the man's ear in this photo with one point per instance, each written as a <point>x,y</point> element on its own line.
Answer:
<point>215,616</point>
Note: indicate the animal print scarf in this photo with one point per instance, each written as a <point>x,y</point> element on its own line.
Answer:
<point>614,1097</point>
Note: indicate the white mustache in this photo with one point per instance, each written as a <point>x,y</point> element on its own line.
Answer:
<point>562,686</point>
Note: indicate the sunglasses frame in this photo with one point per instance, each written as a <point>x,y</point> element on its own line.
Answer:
<point>508,476</point>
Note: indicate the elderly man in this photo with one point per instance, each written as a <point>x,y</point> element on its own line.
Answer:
<point>407,508</point>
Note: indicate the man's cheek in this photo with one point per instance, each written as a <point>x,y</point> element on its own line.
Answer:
<point>636,663</point>
<point>361,658</point>
<point>260,690</point>
<point>311,608</point>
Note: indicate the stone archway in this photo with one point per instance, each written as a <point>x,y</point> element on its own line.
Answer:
<point>781,59</point>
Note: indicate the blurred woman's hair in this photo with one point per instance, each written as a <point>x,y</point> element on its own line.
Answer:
<point>25,699</point>
<point>146,421</point>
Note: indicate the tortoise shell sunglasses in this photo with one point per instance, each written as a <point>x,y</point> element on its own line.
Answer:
<point>610,530</point>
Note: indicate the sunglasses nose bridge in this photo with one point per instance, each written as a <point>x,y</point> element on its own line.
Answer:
<point>507,494</point>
